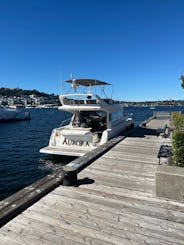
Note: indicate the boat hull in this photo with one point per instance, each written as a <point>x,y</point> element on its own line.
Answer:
<point>13,115</point>
<point>65,151</point>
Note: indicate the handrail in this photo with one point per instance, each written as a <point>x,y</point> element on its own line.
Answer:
<point>65,122</point>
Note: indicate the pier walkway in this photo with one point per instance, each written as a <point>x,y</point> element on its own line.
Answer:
<point>113,204</point>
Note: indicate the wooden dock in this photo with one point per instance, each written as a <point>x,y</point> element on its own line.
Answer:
<point>114,203</point>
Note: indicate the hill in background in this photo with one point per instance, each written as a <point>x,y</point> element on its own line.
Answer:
<point>18,92</point>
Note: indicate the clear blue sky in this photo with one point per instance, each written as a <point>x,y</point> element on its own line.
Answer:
<point>137,45</point>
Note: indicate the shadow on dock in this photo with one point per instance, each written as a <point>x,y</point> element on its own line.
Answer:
<point>85,181</point>
<point>142,132</point>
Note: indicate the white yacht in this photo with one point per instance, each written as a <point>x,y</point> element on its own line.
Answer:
<point>94,121</point>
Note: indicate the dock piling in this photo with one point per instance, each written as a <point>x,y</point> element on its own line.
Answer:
<point>69,176</point>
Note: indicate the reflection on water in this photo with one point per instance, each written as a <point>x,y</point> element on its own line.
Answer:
<point>52,162</point>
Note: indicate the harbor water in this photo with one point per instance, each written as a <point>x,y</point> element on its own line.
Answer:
<point>20,161</point>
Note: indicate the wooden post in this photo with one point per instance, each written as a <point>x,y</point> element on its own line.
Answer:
<point>69,176</point>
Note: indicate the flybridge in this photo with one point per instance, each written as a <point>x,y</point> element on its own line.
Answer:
<point>84,97</point>
<point>79,99</point>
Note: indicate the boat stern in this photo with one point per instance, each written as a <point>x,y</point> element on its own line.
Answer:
<point>71,141</point>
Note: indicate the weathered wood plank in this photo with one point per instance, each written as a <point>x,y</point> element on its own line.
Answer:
<point>36,234</point>
<point>111,176</point>
<point>71,205</point>
<point>118,155</point>
<point>78,226</point>
<point>123,182</point>
<point>46,215</point>
<point>147,208</point>
<point>76,215</point>
<point>15,204</point>
<point>137,149</point>
<point>125,170</point>
<point>123,158</point>
<point>171,205</point>
<point>133,157</point>
<point>47,232</point>
<point>121,232</point>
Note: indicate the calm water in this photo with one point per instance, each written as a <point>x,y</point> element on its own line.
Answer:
<point>20,161</point>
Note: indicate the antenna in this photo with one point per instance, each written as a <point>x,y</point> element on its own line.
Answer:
<point>89,89</point>
<point>75,85</point>
<point>71,75</point>
<point>60,80</point>
<point>112,91</point>
<point>103,90</point>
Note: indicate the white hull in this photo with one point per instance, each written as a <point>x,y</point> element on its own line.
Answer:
<point>65,151</point>
<point>9,114</point>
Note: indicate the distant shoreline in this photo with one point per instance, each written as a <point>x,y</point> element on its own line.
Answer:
<point>34,98</point>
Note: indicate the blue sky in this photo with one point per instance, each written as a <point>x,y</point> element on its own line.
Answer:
<point>137,45</point>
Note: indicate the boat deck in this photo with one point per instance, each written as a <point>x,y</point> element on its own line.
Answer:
<point>114,203</point>
<point>65,151</point>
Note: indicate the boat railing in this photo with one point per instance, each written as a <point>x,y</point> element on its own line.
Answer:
<point>65,122</point>
<point>80,102</point>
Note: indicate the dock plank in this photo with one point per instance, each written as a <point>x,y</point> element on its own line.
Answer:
<point>119,230</point>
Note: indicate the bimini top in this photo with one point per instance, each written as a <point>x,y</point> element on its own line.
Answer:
<point>87,82</point>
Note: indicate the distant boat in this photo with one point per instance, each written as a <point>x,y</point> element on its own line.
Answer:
<point>152,108</point>
<point>17,106</point>
<point>10,114</point>
<point>94,121</point>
